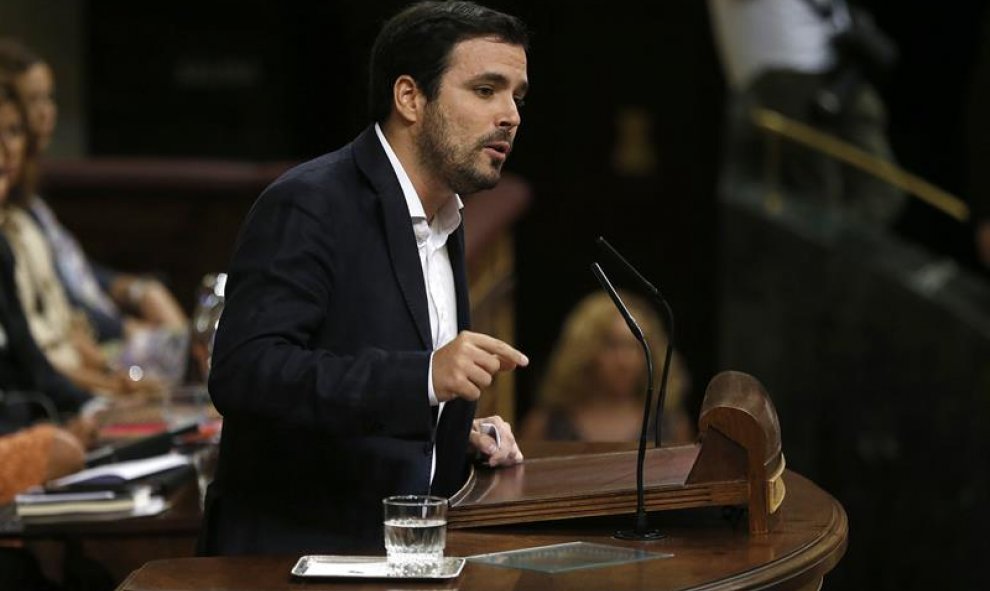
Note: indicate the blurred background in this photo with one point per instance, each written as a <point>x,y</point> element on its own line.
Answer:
<point>874,344</point>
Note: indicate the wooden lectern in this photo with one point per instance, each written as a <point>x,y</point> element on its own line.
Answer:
<point>737,462</point>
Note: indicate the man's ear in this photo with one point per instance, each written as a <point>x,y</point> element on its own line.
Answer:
<point>408,99</point>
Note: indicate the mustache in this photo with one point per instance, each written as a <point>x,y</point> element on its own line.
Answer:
<point>499,135</point>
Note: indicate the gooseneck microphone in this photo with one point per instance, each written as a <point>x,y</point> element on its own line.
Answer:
<point>641,530</point>
<point>668,317</point>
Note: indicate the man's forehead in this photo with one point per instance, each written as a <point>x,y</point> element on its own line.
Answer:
<point>482,56</point>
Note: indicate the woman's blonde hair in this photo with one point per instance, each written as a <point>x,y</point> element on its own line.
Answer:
<point>568,381</point>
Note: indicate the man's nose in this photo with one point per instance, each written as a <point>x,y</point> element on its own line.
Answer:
<point>509,116</point>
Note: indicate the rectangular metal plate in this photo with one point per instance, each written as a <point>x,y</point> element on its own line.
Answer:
<point>367,567</point>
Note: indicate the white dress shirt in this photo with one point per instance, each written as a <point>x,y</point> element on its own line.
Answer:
<point>438,276</point>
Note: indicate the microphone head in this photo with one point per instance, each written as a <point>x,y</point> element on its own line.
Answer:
<point>623,309</point>
<point>615,254</point>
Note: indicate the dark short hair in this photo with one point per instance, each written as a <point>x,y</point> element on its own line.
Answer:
<point>418,42</point>
<point>16,58</point>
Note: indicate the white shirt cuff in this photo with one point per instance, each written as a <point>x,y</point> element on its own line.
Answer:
<point>429,384</point>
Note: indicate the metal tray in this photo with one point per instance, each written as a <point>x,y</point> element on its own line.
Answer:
<point>367,567</point>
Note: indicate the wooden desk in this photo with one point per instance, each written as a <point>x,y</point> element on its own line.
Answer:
<point>709,553</point>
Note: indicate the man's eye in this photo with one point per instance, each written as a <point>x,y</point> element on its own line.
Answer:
<point>520,102</point>
<point>485,91</point>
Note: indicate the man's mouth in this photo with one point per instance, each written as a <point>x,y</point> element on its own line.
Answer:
<point>498,150</point>
<point>501,147</point>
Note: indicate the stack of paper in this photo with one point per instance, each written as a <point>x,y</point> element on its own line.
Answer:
<point>134,502</point>
<point>125,489</point>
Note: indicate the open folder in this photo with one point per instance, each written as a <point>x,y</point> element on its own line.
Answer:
<point>120,473</point>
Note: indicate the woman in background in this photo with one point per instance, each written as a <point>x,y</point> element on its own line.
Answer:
<point>118,304</point>
<point>62,334</point>
<point>29,454</point>
<point>595,386</point>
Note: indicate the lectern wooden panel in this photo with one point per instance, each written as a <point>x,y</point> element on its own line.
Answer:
<point>737,462</point>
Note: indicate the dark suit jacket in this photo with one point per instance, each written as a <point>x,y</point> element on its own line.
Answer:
<point>24,370</point>
<point>320,365</point>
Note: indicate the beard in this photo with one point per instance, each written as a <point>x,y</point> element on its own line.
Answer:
<point>456,164</point>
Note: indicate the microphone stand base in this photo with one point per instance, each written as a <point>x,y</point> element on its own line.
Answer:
<point>649,535</point>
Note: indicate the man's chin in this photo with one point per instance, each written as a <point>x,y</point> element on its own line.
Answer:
<point>494,173</point>
<point>490,180</point>
<point>479,180</point>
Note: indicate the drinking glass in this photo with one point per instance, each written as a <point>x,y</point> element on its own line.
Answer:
<point>415,533</point>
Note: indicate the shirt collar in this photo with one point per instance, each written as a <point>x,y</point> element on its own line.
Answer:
<point>449,215</point>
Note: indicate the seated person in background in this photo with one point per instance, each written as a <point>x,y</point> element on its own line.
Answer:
<point>30,388</point>
<point>31,454</point>
<point>595,386</point>
<point>60,333</point>
<point>117,304</point>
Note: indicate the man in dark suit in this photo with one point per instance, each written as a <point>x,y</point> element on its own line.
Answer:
<point>342,364</point>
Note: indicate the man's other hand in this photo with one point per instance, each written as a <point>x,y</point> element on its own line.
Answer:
<point>492,437</point>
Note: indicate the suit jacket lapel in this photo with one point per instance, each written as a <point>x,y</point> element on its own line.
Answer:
<point>371,158</point>
<point>455,248</point>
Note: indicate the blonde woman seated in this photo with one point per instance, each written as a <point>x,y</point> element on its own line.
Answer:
<point>595,386</point>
